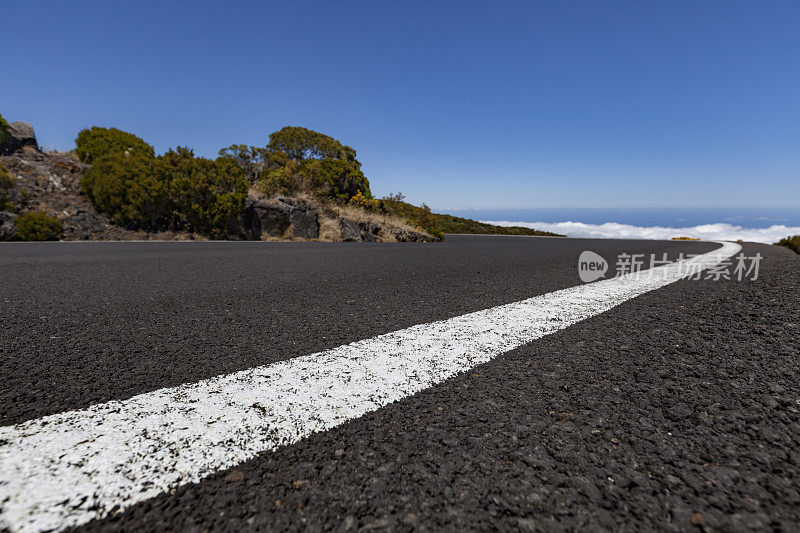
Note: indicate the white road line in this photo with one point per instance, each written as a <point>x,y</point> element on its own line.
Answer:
<point>66,469</point>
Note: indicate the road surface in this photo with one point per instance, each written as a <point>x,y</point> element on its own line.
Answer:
<point>677,406</point>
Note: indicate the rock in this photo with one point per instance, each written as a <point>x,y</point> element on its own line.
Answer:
<point>350,230</point>
<point>265,218</point>
<point>276,216</point>
<point>401,235</point>
<point>19,137</point>
<point>698,520</point>
<point>50,182</point>
<point>8,226</point>
<point>349,523</point>
<point>234,476</point>
<point>527,524</point>
<point>305,222</point>
<point>368,231</point>
<point>81,225</point>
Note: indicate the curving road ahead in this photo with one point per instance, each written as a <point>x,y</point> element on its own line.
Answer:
<point>677,407</point>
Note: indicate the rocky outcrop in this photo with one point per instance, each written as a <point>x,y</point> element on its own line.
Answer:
<point>350,231</point>
<point>304,222</point>
<point>264,219</point>
<point>282,217</point>
<point>19,137</point>
<point>8,226</point>
<point>50,182</point>
<point>369,231</point>
<point>353,231</point>
<point>274,217</point>
<point>402,235</point>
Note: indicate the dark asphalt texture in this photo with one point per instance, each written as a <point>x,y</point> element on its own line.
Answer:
<point>88,322</point>
<point>679,408</point>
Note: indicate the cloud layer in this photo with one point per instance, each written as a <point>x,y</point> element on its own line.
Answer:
<point>614,230</point>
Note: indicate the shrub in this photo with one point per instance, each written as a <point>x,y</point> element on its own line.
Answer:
<point>426,220</point>
<point>438,224</point>
<point>300,160</point>
<point>128,188</point>
<point>95,142</point>
<point>207,195</point>
<point>7,181</point>
<point>251,159</point>
<point>176,190</point>
<point>38,227</point>
<point>3,129</point>
<point>314,162</point>
<point>281,180</point>
<point>369,204</point>
<point>301,144</point>
<point>394,197</point>
<point>335,178</point>
<point>792,243</point>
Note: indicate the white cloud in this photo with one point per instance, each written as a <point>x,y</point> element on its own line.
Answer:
<point>614,230</point>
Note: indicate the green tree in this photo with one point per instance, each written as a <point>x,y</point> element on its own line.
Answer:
<point>96,142</point>
<point>207,195</point>
<point>176,190</point>
<point>38,227</point>
<point>128,187</point>
<point>302,143</point>
<point>281,180</point>
<point>251,159</point>
<point>326,166</point>
<point>335,178</point>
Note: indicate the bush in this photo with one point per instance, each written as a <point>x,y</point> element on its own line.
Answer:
<point>437,224</point>
<point>207,195</point>
<point>251,159</point>
<point>300,160</point>
<point>792,243</point>
<point>335,178</point>
<point>7,181</point>
<point>368,204</point>
<point>283,180</point>
<point>38,227</point>
<point>3,129</point>
<point>94,143</point>
<point>303,160</point>
<point>301,144</point>
<point>174,191</point>
<point>128,189</point>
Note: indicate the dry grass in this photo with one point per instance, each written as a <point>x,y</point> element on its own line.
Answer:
<point>360,215</point>
<point>329,229</point>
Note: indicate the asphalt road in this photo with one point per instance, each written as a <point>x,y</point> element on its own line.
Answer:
<point>681,401</point>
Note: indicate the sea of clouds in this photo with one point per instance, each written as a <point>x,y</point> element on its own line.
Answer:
<point>706,232</point>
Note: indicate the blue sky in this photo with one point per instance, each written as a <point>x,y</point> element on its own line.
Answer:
<point>457,104</point>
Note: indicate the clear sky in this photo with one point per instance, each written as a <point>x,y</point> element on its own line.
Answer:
<point>458,104</point>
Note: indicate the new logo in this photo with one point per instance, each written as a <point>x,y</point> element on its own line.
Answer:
<point>591,266</point>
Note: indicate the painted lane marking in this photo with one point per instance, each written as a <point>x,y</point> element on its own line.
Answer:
<point>66,469</point>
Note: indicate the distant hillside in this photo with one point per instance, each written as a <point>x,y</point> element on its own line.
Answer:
<point>438,224</point>
<point>792,243</point>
